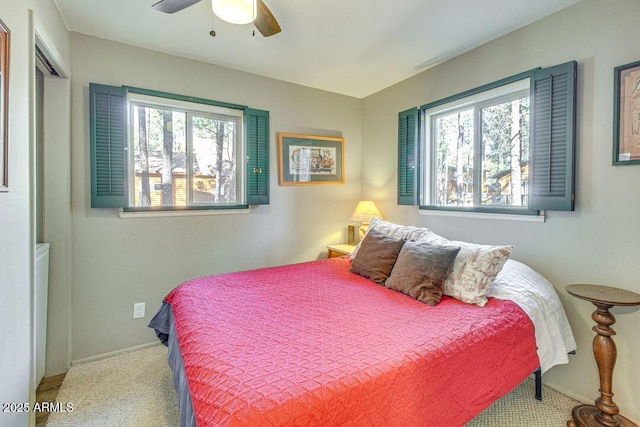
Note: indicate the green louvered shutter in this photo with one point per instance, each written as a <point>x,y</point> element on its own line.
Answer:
<point>257,157</point>
<point>407,157</point>
<point>552,158</point>
<point>108,123</point>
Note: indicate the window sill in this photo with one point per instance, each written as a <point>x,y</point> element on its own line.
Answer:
<point>180,212</point>
<point>484,215</point>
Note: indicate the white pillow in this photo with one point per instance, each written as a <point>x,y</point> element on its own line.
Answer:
<point>406,232</point>
<point>475,268</point>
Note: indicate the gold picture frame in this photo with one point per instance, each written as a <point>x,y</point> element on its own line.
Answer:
<point>310,159</point>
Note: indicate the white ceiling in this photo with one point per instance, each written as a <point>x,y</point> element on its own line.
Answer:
<point>351,47</point>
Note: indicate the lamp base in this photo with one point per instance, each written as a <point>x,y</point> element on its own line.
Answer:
<point>351,235</point>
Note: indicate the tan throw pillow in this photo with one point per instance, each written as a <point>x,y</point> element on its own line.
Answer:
<point>421,270</point>
<point>376,257</point>
<point>474,270</point>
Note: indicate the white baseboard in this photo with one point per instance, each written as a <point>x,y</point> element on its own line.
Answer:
<point>570,393</point>
<point>114,353</point>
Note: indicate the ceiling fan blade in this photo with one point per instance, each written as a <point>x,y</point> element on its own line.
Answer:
<point>173,6</point>
<point>265,21</point>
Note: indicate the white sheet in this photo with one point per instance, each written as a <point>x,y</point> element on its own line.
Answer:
<point>521,284</point>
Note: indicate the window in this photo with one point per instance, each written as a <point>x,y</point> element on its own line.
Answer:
<point>184,154</point>
<point>493,149</point>
<point>154,150</point>
<point>477,151</point>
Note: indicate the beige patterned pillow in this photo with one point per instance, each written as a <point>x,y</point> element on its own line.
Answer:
<point>404,232</point>
<point>474,270</point>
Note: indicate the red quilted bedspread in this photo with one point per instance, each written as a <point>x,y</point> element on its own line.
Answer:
<point>313,344</point>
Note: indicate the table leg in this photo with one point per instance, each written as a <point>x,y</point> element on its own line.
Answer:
<point>605,353</point>
<point>605,413</point>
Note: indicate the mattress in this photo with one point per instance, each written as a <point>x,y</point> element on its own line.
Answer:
<point>314,344</point>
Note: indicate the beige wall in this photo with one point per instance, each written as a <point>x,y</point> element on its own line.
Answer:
<point>118,262</point>
<point>599,242</point>
<point>23,18</point>
<point>15,264</point>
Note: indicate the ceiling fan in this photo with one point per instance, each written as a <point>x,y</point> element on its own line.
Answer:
<point>264,21</point>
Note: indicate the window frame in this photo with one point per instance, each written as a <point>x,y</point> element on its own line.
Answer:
<point>190,109</point>
<point>109,143</point>
<point>478,98</point>
<point>552,142</point>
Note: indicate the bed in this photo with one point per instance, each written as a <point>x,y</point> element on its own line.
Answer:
<point>316,344</point>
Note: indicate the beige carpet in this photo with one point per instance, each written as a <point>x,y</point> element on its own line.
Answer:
<point>133,389</point>
<point>136,390</point>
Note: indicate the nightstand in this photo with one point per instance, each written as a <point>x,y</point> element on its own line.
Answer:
<point>605,413</point>
<point>339,250</point>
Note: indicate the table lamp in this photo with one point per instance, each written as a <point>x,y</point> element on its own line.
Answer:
<point>364,213</point>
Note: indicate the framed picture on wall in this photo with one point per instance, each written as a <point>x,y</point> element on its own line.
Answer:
<point>626,115</point>
<point>5,35</point>
<point>310,159</point>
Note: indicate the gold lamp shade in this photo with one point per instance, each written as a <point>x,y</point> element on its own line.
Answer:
<point>364,213</point>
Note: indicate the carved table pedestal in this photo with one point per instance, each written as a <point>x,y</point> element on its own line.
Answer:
<point>605,412</point>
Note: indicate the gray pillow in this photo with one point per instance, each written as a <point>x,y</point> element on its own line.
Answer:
<point>421,269</point>
<point>376,257</point>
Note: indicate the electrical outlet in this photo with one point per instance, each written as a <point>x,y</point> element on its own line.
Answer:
<point>138,310</point>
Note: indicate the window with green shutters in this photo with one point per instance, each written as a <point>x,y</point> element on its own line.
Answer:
<point>407,153</point>
<point>108,123</point>
<point>258,156</point>
<point>506,147</point>
<point>159,151</point>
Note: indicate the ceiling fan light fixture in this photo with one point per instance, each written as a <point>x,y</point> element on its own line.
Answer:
<point>235,11</point>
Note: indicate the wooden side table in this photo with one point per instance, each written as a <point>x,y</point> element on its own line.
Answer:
<point>339,250</point>
<point>605,413</point>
